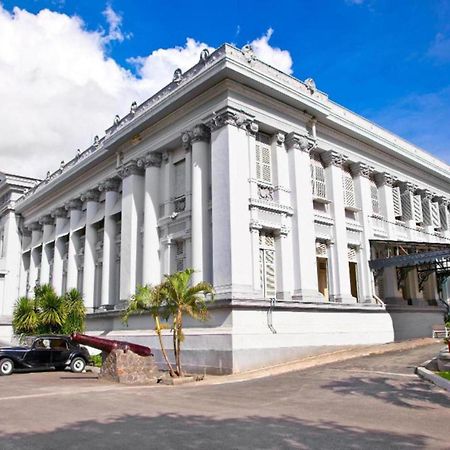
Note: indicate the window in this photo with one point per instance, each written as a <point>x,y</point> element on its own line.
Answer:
<point>417,206</point>
<point>349,189</point>
<point>396,198</point>
<point>180,186</point>
<point>267,264</point>
<point>318,178</point>
<point>374,197</point>
<point>435,215</point>
<point>322,269</point>
<point>179,255</point>
<point>443,216</point>
<point>263,159</point>
<point>353,271</point>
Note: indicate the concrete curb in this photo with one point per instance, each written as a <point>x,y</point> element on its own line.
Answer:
<point>433,378</point>
<point>319,360</point>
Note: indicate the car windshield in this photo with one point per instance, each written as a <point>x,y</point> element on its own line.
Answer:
<point>42,344</point>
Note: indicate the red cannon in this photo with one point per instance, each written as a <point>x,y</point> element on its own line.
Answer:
<point>108,345</point>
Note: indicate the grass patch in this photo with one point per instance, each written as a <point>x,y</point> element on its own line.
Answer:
<point>445,374</point>
<point>96,360</point>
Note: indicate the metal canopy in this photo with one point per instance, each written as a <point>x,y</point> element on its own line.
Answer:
<point>413,259</point>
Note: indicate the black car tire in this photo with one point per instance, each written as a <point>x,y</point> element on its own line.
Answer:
<point>6,367</point>
<point>78,364</point>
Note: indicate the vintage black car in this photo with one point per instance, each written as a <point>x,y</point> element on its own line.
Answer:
<point>44,353</point>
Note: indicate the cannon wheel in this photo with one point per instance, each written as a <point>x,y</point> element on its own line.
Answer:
<point>6,366</point>
<point>78,364</point>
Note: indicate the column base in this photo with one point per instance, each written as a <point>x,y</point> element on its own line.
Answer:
<point>308,296</point>
<point>284,296</point>
<point>347,299</point>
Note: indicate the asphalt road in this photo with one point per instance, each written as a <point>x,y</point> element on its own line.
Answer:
<point>374,402</point>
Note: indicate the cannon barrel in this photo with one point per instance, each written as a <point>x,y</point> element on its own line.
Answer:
<point>108,345</point>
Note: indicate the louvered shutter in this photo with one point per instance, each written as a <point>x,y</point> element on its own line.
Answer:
<point>180,179</point>
<point>179,255</point>
<point>435,215</point>
<point>407,206</point>
<point>397,201</point>
<point>349,189</point>
<point>418,214</point>
<point>318,179</point>
<point>426,212</point>
<point>444,217</point>
<point>351,254</point>
<point>263,162</point>
<point>374,197</point>
<point>267,264</point>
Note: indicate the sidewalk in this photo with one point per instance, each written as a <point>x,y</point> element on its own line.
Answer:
<point>319,360</point>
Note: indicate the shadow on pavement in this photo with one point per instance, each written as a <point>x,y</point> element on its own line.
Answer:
<point>404,394</point>
<point>173,431</point>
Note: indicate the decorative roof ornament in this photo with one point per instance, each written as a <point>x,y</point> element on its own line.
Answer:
<point>204,55</point>
<point>133,108</point>
<point>48,175</point>
<point>96,141</point>
<point>78,152</point>
<point>116,120</point>
<point>177,76</point>
<point>310,85</point>
<point>248,52</point>
<point>61,166</point>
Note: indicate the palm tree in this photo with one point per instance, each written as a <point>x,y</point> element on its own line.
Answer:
<point>52,311</point>
<point>182,298</point>
<point>25,316</point>
<point>76,312</point>
<point>151,299</point>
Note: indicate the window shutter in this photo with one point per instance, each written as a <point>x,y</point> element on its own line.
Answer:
<point>263,162</point>
<point>180,179</point>
<point>318,179</point>
<point>397,201</point>
<point>179,255</point>
<point>374,197</point>
<point>435,215</point>
<point>267,264</point>
<point>443,217</point>
<point>351,254</point>
<point>418,214</point>
<point>407,206</point>
<point>349,189</point>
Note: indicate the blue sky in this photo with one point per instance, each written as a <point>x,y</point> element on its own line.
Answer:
<point>387,60</point>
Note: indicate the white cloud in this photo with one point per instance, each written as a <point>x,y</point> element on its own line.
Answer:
<point>440,48</point>
<point>59,88</point>
<point>281,59</point>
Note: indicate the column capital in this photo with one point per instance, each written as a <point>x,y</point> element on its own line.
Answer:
<point>361,169</point>
<point>333,158</point>
<point>75,203</point>
<point>443,201</point>
<point>200,133</point>
<point>109,185</point>
<point>153,159</point>
<point>384,178</point>
<point>255,226</point>
<point>426,194</point>
<point>59,213</point>
<point>407,186</point>
<point>299,142</point>
<point>47,220</point>
<point>231,116</point>
<point>91,195</point>
<point>130,168</point>
<point>279,138</point>
<point>34,226</point>
<point>186,140</point>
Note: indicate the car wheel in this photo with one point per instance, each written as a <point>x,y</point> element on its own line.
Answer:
<point>77,365</point>
<point>6,366</point>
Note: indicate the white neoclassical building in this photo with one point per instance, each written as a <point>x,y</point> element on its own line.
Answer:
<point>316,226</point>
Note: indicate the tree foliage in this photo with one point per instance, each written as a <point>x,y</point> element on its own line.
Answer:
<point>49,313</point>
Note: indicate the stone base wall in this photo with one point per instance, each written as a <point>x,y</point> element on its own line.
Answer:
<point>6,331</point>
<point>128,368</point>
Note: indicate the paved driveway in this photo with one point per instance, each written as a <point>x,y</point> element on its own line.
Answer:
<point>366,403</point>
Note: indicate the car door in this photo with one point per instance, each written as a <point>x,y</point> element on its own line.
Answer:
<point>60,352</point>
<point>39,355</point>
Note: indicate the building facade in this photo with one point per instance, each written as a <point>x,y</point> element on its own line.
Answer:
<point>270,191</point>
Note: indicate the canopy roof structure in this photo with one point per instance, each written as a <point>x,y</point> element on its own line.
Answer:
<point>413,259</point>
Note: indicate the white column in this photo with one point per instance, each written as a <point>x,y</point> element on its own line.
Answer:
<point>48,228</point>
<point>232,251</point>
<point>303,232</point>
<point>339,267</point>
<point>201,235</point>
<point>384,182</point>
<point>392,294</point>
<point>132,221</point>
<point>60,221</point>
<point>151,266</point>
<point>111,188</point>
<point>36,236</point>
<point>91,199</point>
<point>74,209</point>
<point>362,174</point>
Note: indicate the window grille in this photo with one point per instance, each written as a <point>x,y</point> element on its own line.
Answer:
<point>435,215</point>
<point>349,189</point>
<point>267,264</point>
<point>321,250</point>
<point>318,178</point>
<point>179,255</point>
<point>443,217</point>
<point>263,159</point>
<point>397,202</point>
<point>352,254</point>
<point>374,197</point>
<point>407,206</point>
<point>418,214</point>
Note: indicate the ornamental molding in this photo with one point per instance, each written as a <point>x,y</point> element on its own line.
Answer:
<point>92,195</point>
<point>280,138</point>
<point>130,168</point>
<point>361,169</point>
<point>200,133</point>
<point>233,117</point>
<point>384,178</point>
<point>426,194</point>
<point>443,201</point>
<point>333,158</point>
<point>109,185</point>
<point>407,186</point>
<point>153,159</point>
<point>74,204</point>
<point>59,213</point>
<point>47,220</point>
<point>299,142</point>
<point>186,139</point>
<point>34,226</point>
